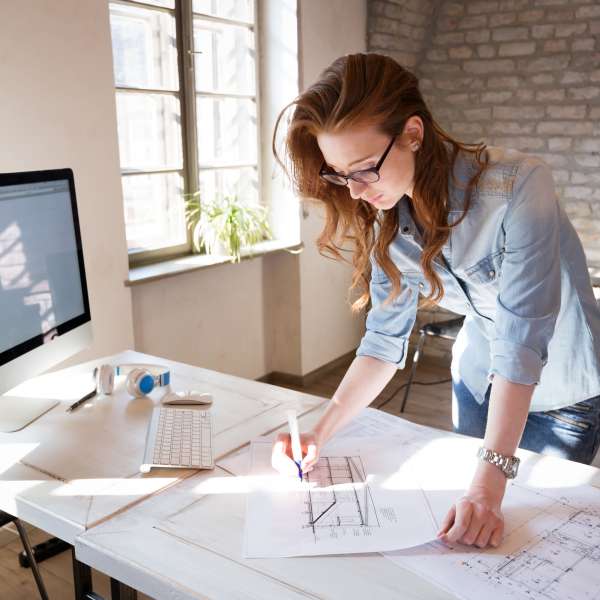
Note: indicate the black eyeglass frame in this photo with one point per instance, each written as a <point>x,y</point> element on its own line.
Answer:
<point>353,174</point>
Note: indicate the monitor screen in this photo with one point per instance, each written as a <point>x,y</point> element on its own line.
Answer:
<point>43,291</point>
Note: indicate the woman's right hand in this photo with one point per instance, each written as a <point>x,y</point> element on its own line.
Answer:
<point>281,455</point>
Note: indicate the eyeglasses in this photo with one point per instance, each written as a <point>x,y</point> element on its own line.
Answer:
<point>363,176</point>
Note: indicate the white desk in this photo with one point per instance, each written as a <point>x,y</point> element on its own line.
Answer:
<point>147,549</point>
<point>68,472</point>
<point>176,534</point>
<point>186,543</point>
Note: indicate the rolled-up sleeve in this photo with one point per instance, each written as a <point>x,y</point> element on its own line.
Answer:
<point>388,326</point>
<point>529,293</point>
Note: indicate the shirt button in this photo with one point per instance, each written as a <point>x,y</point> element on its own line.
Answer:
<point>406,229</point>
<point>492,274</point>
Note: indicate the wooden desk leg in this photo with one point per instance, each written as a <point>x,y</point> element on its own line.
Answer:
<point>120,591</point>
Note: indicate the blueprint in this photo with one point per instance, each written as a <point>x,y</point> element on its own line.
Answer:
<point>551,550</point>
<point>551,545</point>
<point>342,506</point>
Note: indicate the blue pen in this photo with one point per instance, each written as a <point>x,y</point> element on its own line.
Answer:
<point>295,437</point>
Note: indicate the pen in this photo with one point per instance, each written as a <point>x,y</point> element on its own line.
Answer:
<point>295,437</point>
<point>81,400</point>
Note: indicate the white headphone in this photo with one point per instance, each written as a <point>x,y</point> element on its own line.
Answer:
<point>141,379</point>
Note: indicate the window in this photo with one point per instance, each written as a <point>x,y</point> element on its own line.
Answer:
<point>186,95</point>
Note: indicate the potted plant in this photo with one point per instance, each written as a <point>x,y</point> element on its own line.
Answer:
<point>225,225</point>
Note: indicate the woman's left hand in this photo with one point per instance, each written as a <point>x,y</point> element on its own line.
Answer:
<point>476,519</point>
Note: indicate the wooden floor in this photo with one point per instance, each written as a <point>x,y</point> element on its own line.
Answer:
<point>427,405</point>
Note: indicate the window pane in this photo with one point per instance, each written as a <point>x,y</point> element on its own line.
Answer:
<point>240,10</point>
<point>149,131</point>
<point>165,3</point>
<point>217,183</point>
<point>144,47</point>
<point>154,210</point>
<point>226,59</point>
<point>226,130</point>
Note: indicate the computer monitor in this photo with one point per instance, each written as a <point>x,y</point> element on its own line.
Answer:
<point>44,305</point>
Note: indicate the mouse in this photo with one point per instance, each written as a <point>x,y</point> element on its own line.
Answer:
<point>189,397</point>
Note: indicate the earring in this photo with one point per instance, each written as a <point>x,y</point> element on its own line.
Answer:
<point>415,146</point>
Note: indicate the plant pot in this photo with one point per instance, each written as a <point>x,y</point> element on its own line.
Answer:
<point>218,249</point>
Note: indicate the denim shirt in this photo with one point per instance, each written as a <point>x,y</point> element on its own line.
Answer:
<point>516,269</point>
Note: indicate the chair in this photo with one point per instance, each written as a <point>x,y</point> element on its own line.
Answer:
<point>5,519</point>
<point>447,330</point>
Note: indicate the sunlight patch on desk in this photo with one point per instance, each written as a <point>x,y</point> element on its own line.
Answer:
<point>247,483</point>
<point>272,483</point>
<point>441,464</point>
<point>138,486</point>
<point>11,454</point>
<point>54,386</point>
<point>551,472</point>
<point>13,492</point>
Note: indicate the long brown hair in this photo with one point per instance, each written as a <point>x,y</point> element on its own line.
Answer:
<point>374,88</point>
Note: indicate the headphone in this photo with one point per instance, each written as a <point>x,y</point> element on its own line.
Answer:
<point>141,379</point>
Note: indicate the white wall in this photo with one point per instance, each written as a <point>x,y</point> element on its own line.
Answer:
<point>57,109</point>
<point>327,30</point>
<point>212,318</point>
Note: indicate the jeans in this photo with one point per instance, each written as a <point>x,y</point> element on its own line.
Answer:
<point>572,432</point>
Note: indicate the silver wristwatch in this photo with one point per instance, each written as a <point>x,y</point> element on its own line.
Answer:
<point>509,465</point>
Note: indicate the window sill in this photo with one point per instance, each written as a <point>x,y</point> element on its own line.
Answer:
<point>193,262</point>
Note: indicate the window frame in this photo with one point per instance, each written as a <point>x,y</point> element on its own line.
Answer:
<point>187,94</point>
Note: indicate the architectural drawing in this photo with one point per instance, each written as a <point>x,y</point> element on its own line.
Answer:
<point>562,563</point>
<point>344,505</point>
<point>552,553</point>
<point>339,498</point>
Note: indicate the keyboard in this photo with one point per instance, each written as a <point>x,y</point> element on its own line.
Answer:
<point>179,437</point>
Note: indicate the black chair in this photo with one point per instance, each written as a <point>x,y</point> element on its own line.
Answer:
<point>5,519</point>
<point>447,330</point>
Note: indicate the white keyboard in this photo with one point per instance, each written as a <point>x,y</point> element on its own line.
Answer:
<point>179,437</point>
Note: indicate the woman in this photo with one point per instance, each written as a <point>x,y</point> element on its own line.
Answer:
<point>478,231</point>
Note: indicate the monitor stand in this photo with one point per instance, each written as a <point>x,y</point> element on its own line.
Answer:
<point>17,412</point>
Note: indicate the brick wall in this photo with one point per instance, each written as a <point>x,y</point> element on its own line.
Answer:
<point>401,29</point>
<point>518,73</point>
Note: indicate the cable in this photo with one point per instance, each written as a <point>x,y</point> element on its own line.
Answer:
<point>401,387</point>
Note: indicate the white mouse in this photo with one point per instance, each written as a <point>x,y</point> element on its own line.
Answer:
<point>187,397</point>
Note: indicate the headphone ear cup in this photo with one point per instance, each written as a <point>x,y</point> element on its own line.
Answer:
<point>139,382</point>
<point>105,379</point>
<point>131,382</point>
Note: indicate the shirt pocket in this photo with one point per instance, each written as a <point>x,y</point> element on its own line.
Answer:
<point>415,280</point>
<point>487,270</point>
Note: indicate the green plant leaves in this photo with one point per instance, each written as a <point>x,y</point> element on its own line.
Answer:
<point>225,221</point>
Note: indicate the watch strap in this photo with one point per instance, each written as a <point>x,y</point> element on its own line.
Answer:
<point>509,465</point>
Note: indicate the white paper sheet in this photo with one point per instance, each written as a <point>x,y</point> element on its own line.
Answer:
<point>551,548</point>
<point>345,507</point>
